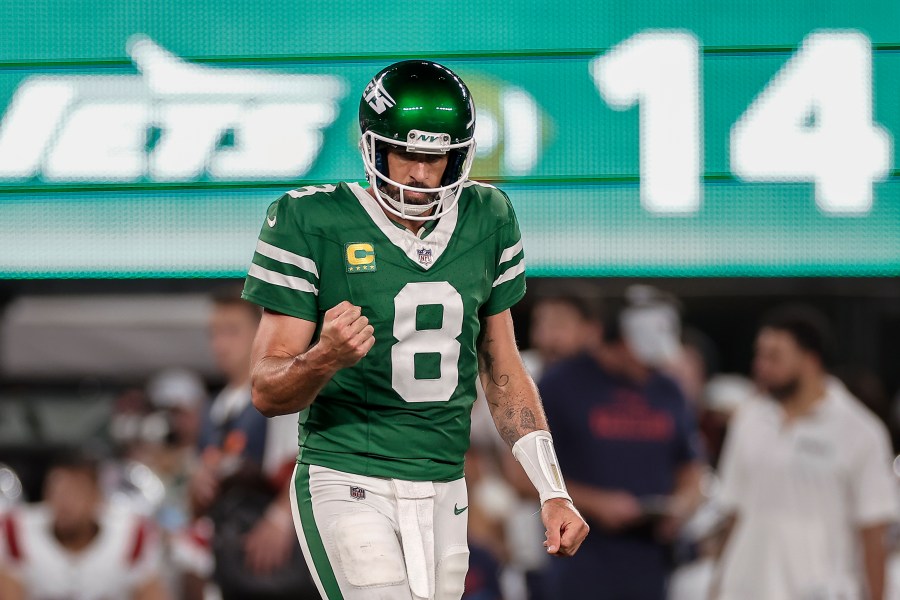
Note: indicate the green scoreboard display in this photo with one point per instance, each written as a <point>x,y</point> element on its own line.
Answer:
<point>663,138</point>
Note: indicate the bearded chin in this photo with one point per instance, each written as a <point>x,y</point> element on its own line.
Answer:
<point>784,391</point>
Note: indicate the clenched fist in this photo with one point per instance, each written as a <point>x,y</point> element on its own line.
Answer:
<point>566,528</point>
<point>346,335</point>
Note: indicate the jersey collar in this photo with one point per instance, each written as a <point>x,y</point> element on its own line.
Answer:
<point>436,238</point>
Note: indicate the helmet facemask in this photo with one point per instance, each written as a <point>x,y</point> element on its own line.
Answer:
<point>374,149</point>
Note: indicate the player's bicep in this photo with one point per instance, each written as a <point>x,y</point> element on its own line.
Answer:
<point>281,335</point>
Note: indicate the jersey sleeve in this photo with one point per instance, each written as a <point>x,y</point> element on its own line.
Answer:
<point>508,286</point>
<point>284,274</point>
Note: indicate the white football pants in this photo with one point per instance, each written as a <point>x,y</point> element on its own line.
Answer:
<point>367,538</point>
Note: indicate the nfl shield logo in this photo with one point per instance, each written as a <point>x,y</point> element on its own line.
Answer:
<point>424,256</point>
<point>357,493</point>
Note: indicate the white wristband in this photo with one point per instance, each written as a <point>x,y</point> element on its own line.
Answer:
<point>535,453</point>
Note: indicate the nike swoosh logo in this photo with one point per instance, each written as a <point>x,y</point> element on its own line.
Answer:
<point>271,221</point>
<point>459,511</point>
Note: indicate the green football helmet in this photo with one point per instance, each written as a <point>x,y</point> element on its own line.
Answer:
<point>417,106</point>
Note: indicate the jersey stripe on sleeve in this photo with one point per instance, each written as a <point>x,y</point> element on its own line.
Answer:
<point>510,274</point>
<point>280,279</point>
<point>284,268</point>
<point>284,272</point>
<point>283,256</point>
<point>508,255</point>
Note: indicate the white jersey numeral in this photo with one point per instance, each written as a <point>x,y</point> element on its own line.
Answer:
<point>660,71</point>
<point>412,341</point>
<point>813,122</point>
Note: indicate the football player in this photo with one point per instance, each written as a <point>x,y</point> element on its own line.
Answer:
<point>382,307</point>
<point>74,546</point>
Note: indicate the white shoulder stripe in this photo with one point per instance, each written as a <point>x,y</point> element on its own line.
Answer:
<point>294,283</point>
<point>510,252</point>
<point>510,274</point>
<point>283,256</point>
<point>310,190</point>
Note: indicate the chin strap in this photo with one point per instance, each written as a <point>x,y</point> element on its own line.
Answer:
<point>535,453</point>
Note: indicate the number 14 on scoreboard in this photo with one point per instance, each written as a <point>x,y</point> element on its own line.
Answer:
<point>812,122</point>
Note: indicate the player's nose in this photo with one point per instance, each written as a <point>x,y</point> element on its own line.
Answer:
<point>422,171</point>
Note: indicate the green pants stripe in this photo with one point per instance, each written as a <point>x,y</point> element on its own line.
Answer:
<point>311,534</point>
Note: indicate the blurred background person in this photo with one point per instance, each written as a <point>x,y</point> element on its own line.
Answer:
<point>490,501</point>
<point>805,474</point>
<point>178,398</point>
<point>242,477</point>
<point>152,435</point>
<point>562,324</point>
<point>75,545</point>
<point>630,436</point>
<point>702,536</point>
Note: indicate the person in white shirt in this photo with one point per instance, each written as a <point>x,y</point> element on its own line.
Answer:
<point>73,546</point>
<point>806,474</point>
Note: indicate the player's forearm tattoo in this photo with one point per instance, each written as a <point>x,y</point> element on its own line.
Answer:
<point>486,362</point>
<point>528,423</point>
<point>511,396</point>
<point>506,426</point>
<point>515,422</point>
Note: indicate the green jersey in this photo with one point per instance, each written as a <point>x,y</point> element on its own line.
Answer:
<point>403,411</point>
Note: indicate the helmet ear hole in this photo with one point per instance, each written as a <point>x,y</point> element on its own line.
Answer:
<point>455,160</point>
<point>381,162</point>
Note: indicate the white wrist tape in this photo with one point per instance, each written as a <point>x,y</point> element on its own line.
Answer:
<point>536,455</point>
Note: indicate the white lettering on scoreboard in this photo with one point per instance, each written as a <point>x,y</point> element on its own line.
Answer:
<point>214,123</point>
<point>177,121</point>
<point>812,123</point>
<point>95,128</point>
